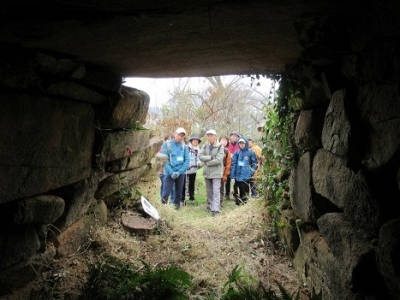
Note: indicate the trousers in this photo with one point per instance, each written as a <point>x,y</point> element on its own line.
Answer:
<point>213,187</point>
<point>169,183</point>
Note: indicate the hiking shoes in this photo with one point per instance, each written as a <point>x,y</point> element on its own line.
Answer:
<point>164,201</point>
<point>215,213</point>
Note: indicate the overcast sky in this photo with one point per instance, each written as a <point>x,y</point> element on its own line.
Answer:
<point>159,89</point>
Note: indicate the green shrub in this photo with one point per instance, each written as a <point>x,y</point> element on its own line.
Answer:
<point>113,279</point>
<point>240,286</point>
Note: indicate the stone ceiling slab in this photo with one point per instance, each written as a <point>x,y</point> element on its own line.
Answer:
<point>162,38</point>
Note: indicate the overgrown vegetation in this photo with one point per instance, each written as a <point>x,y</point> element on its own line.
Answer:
<point>240,286</point>
<point>275,151</point>
<point>113,279</point>
<point>321,39</point>
<point>278,150</point>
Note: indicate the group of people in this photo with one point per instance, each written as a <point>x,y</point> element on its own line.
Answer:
<point>224,159</point>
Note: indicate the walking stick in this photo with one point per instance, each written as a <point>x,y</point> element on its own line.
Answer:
<point>237,198</point>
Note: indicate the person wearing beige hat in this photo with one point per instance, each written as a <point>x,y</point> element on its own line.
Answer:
<point>212,155</point>
<point>194,165</point>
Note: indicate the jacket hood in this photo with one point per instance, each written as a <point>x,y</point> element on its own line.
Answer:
<point>246,143</point>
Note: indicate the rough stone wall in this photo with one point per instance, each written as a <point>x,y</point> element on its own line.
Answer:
<point>345,194</point>
<point>71,139</point>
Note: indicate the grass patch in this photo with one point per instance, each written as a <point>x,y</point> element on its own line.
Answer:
<point>197,209</point>
<point>112,279</point>
<point>208,248</point>
<point>190,242</point>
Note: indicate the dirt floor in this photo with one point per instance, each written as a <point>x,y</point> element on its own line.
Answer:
<point>206,247</point>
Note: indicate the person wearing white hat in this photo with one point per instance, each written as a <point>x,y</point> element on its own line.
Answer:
<point>161,160</point>
<point>244,164</point>
<point>212,155</point>
<point>176,166</point>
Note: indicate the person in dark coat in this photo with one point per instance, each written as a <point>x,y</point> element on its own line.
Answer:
<point>244,164</point>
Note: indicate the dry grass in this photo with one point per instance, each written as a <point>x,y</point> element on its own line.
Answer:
<point>207,248</point>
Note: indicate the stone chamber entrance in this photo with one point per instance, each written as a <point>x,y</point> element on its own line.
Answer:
<point>61,71</point>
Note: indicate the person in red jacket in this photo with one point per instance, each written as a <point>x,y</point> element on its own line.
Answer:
<point>233,146</point>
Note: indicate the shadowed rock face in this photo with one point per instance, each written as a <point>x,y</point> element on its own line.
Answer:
<point>163,38</point>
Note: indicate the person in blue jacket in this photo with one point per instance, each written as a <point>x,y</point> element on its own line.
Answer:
<point>161,160</point>
<point>176,166</point>
<point>244,164</point>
